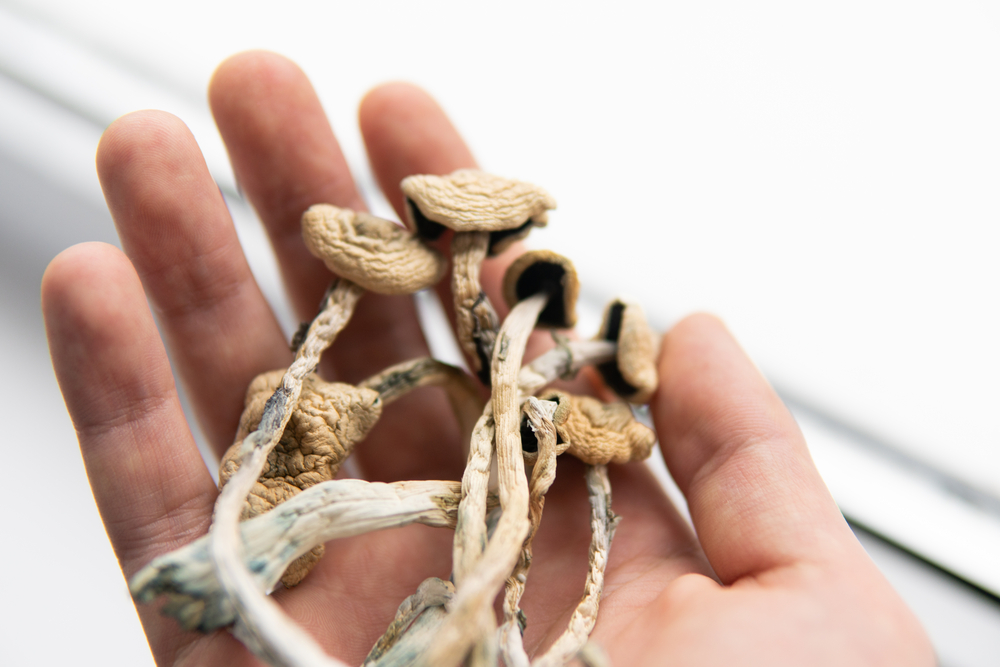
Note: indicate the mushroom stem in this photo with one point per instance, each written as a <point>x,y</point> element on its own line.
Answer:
<point>592,655</point>
<point>602,524</point>
<point>539,415</point>
<point>463,394</point>
<point>470,529</point>
<point>563,362</point>
<point>463,626</point>
<point>475,318</point>
<point>512,646</point>
<point>421,634</point>
<point>327,511</point>
<point>261,624</point>
<point>432,592</point>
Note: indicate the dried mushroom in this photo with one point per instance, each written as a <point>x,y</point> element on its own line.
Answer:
<point>470,623</point>
<point>488,213</point>
<point>271,541</point>
<point>544,271</point>
<point>538,417</point>
<point>599,433</point>
<point>632,374</point>
<point>297,430</point>
<point>328,421</point>
<point>563,361</point>
<point>375,253</point>
<point>469,200</point>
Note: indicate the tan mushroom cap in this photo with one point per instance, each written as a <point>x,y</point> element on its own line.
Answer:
<point>321,433</point>
<point>632,374</point>
<point>375,253</point>
<point>543,270</point>
<point>471,200</point>
<point>598,433</point>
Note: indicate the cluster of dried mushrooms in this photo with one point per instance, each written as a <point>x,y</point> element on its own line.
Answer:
<point>280,503</point>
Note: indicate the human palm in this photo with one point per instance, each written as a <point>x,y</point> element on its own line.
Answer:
<point>774,577</point>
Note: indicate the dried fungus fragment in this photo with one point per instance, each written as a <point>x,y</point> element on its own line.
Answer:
<point>463,393</point>
<point>632,374</point>
<point>563,361</point>
<point>487,213</point>
<point>329,420</point>
<point>599,433</point>
<point>470,621</point>
<point>544,271</point>
<point>271,541</point>
<point>603,522</point>
<point>375,253</point>
<point>476,320</point>
<point>538,419</point>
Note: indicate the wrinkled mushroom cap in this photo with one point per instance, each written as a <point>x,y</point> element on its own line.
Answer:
<point>598,433</point>
<point>329,420</point>
<point>632,374</point>
<point>543,270</point>
<point>471,200</point>
<point>375,253</point>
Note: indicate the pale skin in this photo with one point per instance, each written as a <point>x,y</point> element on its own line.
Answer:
<point>775,576</point>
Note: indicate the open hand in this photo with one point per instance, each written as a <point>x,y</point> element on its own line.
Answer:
<point>773,577</point>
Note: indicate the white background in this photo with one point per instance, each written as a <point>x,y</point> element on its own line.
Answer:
<point>823,175</point>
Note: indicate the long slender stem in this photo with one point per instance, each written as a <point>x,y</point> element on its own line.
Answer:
<point>563,361</point>
<point>470,531</point>
<point>602,524</point>
<point>261,625</point>
<point>542,475</point>
<point>432,592</point>
<point>463,394</point>
<point>474,596</point>
<point>476,320</point>
<point>327,511</point>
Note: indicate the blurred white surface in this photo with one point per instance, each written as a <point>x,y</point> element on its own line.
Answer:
<point>823,177</point>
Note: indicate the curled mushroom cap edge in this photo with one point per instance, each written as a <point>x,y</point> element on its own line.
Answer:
<point>632,374</point>
<point>472,200</point>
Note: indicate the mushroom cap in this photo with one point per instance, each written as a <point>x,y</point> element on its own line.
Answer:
<point>503,239</point>
<point>598,433</point>
<point>632,373</point>
<point>543,270</point>
<point>328,421</point>
<point>472,200</point>
<point>375,253</point>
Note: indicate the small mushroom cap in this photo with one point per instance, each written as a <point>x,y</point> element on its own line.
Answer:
<point>329,420</point>
<point>598,433</point>
<point>375,253</point>
<point>472,200</point>
<point>544,271</point>
<point>632,374</point>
